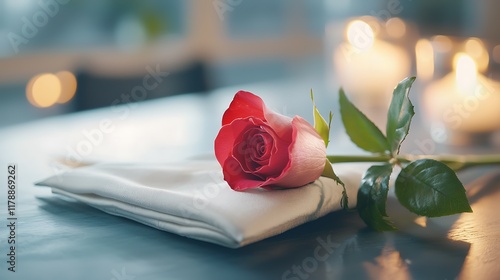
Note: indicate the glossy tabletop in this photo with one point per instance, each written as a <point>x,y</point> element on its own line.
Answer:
<point>57,238</point>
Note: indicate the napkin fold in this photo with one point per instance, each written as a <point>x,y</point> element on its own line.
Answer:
<point>191,199</point>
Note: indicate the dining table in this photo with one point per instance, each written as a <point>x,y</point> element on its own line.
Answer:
<point>59,238</point>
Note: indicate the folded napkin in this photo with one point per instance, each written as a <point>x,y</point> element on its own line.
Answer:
<point>191,199</point>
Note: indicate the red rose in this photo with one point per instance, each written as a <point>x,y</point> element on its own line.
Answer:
<point>257,147</point>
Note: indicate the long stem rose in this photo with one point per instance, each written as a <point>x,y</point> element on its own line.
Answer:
<point>260,148</point>
<point>257,147</point>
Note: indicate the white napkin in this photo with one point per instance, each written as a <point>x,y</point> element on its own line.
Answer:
<point>192,199</point>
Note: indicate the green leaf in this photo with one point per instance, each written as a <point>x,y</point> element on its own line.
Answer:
<point>320,124</point>
<point>364,133</point>
<point>372,197</point>
<point>329,173</point>
<point>431,188</point>
<point>399,115</point>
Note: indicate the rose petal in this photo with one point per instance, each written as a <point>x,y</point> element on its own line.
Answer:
<point>223,144</point>
<point>260,148</point>
<point>281,124</point>
<point>263,148</point>
<point>277,160</point>
<point>307,157</point>
<point>260,145</point>
<point>245,104</point>
<point>278,157</point>
<point>228,134</point>
<point>238,179</point>
<point>244,131</point>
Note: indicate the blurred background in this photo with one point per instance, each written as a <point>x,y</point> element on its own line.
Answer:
<point>64,56</point>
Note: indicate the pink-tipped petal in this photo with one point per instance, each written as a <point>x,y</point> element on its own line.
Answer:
<point>306,159</point>
<point>257,147</point>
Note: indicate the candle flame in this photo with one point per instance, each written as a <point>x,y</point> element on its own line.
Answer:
<point>360,35</point>
<point>465,71</point>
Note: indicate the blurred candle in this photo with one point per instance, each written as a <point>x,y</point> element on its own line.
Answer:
<point>368,68</point>
<point>424,54</point>
<point>464,100</point>
<point>476,49</point>
<point>442,43</point>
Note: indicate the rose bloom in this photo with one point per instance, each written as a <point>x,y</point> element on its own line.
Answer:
<point>257,147</point>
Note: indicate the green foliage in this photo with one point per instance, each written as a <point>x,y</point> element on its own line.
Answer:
<point>426,187</point>
<point>431,188</point>
<point>400,115</point>
<point>329,173</point>
<point>323,129</point>
<point>320,124</point>
<point>363,132</point>
<point>372,197</point>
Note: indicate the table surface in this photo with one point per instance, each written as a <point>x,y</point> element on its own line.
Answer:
<point>57,238</point>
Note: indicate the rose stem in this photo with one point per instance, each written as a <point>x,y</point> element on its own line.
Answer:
<point>457,162</point>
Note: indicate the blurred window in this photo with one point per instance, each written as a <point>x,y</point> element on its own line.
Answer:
<point>78,24</point>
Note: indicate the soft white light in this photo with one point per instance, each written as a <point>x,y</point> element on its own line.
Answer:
<point>425,59</point>
<point>465,72</point>
<point>360,35</point>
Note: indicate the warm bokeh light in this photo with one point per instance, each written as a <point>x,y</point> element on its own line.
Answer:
<point>68,86</point>
<point>395,27</point>
<point>373,22</point>
<point>378,63</point>
<point>388,265</point>
<point>477,50</point>
<point>474,47</point>
<point>43,90</point>
<point>360,35</point>
<point>424,59</point>
<point>496,54</point>
<point>465,71</point>
<point>442,43</point>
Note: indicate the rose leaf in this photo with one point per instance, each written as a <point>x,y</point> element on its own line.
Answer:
<point>431,188</point>
<point>372,197</point>
<point>320,124</point>
<point>363,132</point>
<point>329,173</point>
<point>399,115</point>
